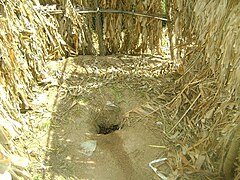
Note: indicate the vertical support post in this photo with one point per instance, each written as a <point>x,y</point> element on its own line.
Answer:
<point>99,30</point>
<point>169,26</point>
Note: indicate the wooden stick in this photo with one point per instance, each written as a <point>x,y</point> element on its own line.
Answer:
<point>170,28</point>
<point>99,30</point>
<point>185,113</point>
<point>155,16</point>
<point>134,13</point>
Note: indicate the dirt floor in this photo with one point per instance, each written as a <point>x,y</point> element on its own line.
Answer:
<point>94,119</point>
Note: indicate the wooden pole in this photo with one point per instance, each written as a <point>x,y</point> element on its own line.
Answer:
<point>99,30</point>
<point>170,27</point>
<point>89,11</point>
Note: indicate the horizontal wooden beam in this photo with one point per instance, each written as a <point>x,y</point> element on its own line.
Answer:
<point>80,11</point>
<point>134,13</point>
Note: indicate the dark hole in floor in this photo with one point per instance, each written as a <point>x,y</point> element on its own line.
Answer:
<point>107,130</point>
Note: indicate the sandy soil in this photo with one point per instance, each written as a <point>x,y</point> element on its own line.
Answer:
<point>81,106</point>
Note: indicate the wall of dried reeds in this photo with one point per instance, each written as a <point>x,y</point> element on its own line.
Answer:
<point>121,33</point>
<point>205,35</point>
<point>132,34</point>
<point>28,39</point>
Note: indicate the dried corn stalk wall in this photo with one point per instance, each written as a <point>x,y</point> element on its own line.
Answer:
<point>206,41</point>
<point>121,33</point>
<point>73,28</point>
<point>27,39</point>
<point>132,34</point>
<point>76,29</point>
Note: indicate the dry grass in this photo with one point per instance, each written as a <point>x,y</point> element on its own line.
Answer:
<point>122,33</point>
<point>27,39</point>
<point>205,40</point>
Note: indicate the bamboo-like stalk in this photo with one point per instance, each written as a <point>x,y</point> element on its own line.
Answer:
<point>99,30</point>
<point>97,10</point>
<point>170,27</point>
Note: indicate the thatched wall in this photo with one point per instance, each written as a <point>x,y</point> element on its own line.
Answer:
<point>206,41</point>
<point>121,33</point>
<point>27,40</point>
<point>130,34</point>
